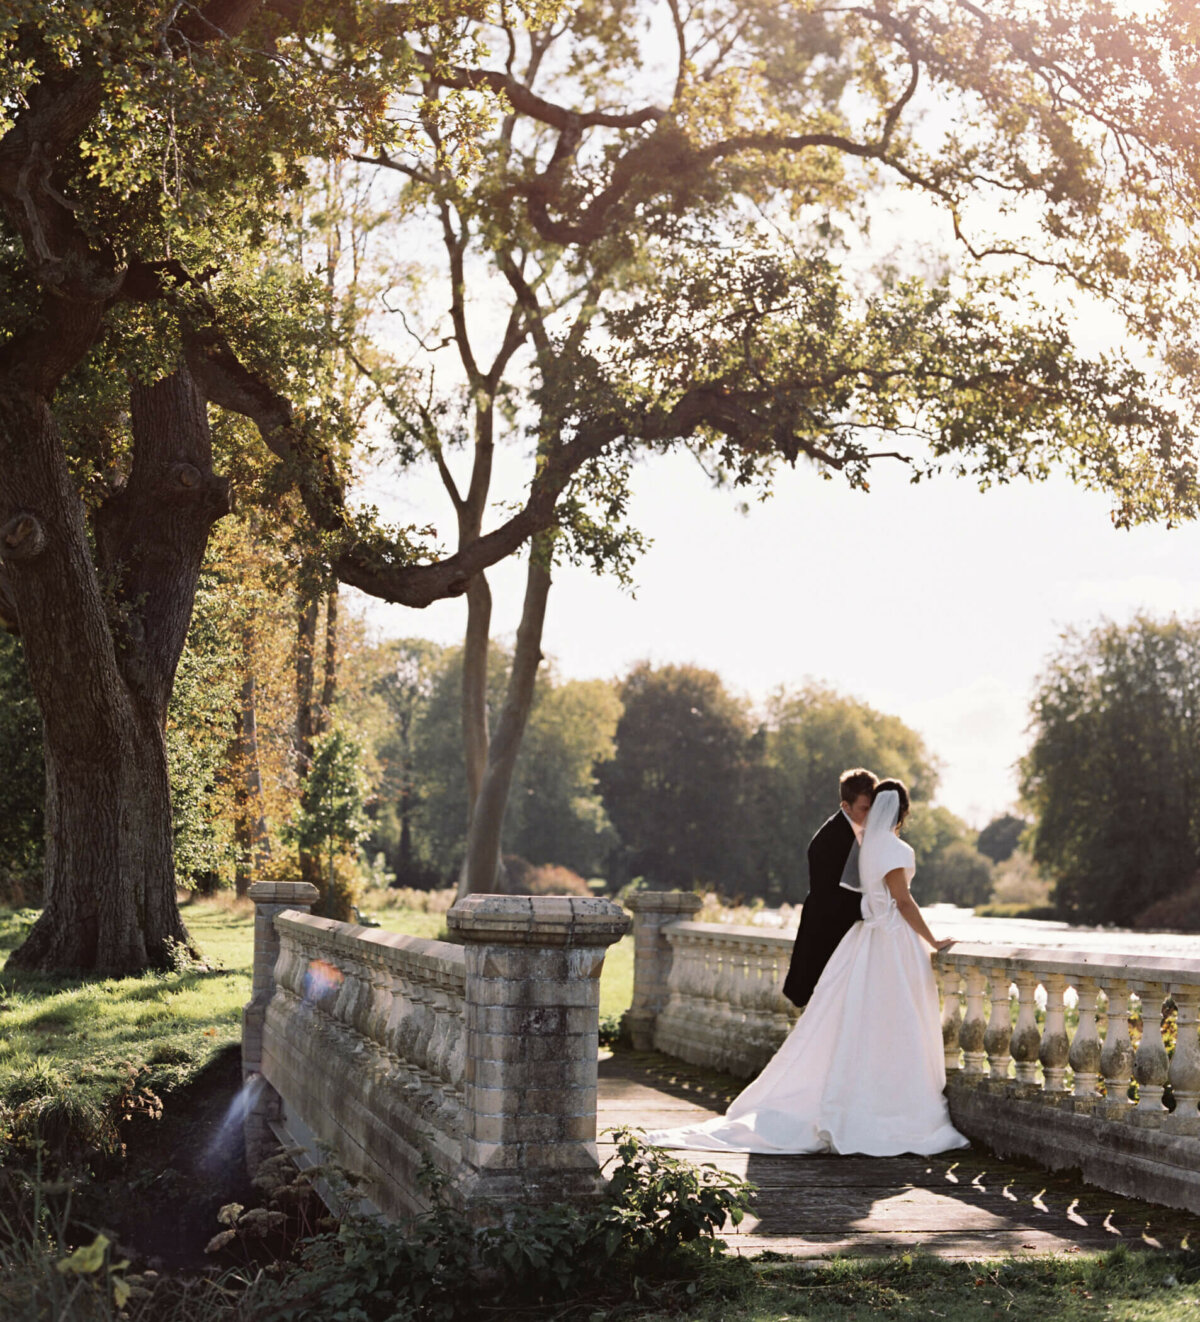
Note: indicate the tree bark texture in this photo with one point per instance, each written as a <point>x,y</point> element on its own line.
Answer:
<point>103,638</point>
<point>482,865</point>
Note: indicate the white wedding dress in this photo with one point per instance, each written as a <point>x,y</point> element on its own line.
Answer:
<point>862,1070</point>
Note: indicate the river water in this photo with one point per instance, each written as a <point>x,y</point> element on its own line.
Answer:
<point>962,924</point>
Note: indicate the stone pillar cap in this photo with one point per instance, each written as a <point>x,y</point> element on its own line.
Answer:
<point>283,892</point>
<point>664,902</point>
<point>538,920</point>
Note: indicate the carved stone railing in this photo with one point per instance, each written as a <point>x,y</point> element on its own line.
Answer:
<point>1020,1080</point>
<point>392,1053</point>
<point>707,993</point>
<point>1062,1099</point>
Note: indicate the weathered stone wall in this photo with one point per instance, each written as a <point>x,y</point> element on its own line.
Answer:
<point>396,1053</point>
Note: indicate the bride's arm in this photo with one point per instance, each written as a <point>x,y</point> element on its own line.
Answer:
<point>897,883</point>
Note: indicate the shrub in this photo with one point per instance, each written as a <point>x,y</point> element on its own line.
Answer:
<point>524,878</point>
<point>654,1229</point>
<point>1180,912</point>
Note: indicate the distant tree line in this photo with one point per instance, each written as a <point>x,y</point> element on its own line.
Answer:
<point>664,775</point>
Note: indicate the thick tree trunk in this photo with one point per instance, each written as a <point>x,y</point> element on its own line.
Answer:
<point>102,668</point>
<point>482,865</point>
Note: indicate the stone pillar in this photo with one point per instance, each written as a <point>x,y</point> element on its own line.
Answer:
<point>260,1100</point>
<point>532,1014</point>
<point>652,911</point>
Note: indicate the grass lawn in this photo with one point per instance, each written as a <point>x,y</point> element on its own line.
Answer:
<point>1117,1286</point>
<point>56,1031</point>
<point>71,1031</point>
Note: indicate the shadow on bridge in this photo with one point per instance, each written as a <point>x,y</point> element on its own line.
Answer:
<point>961,1205</point>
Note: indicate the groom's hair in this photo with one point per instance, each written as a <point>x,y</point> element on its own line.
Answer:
<point>854,782</point>
<point>901,789</point>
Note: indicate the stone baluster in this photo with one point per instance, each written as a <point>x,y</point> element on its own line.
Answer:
<point>440,1047</point>
<point>783,1013</point>
<point>352,994</point>
<point>725,1027</point>
<point>771,1025</point>
<point>414,1031</point>
<point>1055,1049</point>
<point>652,958</point>
<point>974,1026</point>
<point>999,1031</point>
<point>532,999</point>
<point>1116,1060</point>
<point>458,1050</point>
<point>1026,1039</point>
<point>1184,1074</point>
<point>697,973</point>
<point>389,1027</point>
<point>712,1034</point>
<point>1084,1056</point>
<point>271,898</point>
<point>949,979</point>
<point>1150,1065</point>
<point>380,1015</point>
<point>426,1025</point>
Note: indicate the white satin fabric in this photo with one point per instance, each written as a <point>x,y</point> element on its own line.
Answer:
<point>862,1070</point>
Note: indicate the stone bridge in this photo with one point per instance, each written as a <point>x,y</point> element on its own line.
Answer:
<point>478,1060</point>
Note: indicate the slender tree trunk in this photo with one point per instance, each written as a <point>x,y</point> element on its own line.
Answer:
<point>103,677</point>
<point>253,838</point>
<point>474,687</point>
<point>330,679</point>
<point>482,866</point>
<point>306,646</point>
<point>313,720</point>
<point>306,722</point>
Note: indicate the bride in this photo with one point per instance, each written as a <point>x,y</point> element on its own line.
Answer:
<point>862,1070</point>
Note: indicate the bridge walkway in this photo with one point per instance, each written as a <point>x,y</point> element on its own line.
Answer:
<point>965,1204</point>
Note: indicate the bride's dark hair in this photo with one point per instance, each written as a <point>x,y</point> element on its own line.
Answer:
<point>901,789</point>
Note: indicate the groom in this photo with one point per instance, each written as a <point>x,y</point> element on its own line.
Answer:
<point>830,909</point>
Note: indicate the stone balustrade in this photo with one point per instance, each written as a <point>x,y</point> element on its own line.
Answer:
<point>1020,1081</point>
<point>707,993</point>
<point>1062,1099</point>
<point>394,1053</point>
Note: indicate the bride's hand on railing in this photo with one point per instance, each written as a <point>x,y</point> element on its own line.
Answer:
<point>944,944</point>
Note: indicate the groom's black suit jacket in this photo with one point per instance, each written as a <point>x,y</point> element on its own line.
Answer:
<point>829,911</point>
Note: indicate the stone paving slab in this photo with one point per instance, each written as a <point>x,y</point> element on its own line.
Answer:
<point>960,1205</point>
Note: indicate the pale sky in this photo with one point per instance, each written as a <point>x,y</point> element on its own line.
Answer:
<point>952,600</point>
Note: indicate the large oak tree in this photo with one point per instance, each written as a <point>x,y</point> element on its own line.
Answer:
<point>143,146</point>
